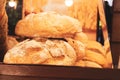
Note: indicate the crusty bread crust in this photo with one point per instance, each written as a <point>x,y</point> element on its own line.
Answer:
<point>48,24</point>
<point>56,52</point>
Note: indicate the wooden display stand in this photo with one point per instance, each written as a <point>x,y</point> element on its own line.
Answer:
<point>47,72</point>
<point>115,38</point>
<point>50,72</point>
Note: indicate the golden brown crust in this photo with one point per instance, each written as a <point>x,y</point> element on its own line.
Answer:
<point>12,42</point>
<point>80,63</point>
<point>81,37</point>
<point>48,24</point>
<point>20,53</point>
<point>85,63</point>
<point>95,46</point>
<point>62,53</point>
<point>96,57</point>
<point>95,52</point>
<point>78,46</point>
<point>48,52</point>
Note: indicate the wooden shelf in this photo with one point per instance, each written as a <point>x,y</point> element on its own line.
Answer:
<point>50,72</point>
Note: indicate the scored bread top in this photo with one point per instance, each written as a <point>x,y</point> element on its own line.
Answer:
<point>53,52</point>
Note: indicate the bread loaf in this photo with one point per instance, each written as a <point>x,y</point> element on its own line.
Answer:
<point>41,52</point>
<point>48,24</point>
<point>94,54</point>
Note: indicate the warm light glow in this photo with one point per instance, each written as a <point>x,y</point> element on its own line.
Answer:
<point>110,2</point>
<point>12,3</point>
<point>68,2</point>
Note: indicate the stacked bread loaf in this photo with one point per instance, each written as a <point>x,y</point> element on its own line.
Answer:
<point>55,40</point>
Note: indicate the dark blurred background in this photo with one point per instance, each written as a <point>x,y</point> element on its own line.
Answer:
<point>108,15</point>
<point>14,12</point>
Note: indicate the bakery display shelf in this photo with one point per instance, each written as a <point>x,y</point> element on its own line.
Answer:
<point>52,72</point>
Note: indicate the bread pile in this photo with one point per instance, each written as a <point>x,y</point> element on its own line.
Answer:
<point>55,40</point>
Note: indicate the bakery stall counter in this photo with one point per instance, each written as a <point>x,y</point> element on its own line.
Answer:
<point>52,72</point>
<point>51,46</point>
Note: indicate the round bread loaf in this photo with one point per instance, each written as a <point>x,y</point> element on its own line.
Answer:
<point>53,52</point>
<point>96,53</point>
<point>48,24</point>
<point>95,56</point>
